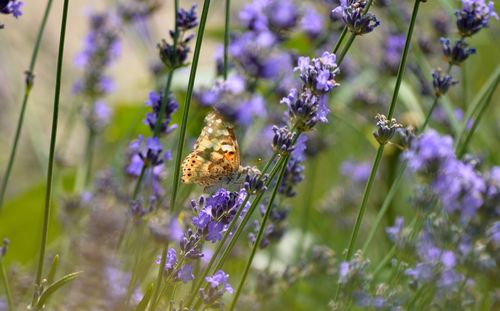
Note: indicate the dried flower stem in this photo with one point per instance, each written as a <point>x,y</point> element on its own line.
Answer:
<point>27,92</point>
<point>55,115</point>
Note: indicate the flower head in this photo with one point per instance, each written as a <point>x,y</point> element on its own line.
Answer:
<point>458,53</point>
<point>11,7</point>
<point>357,21</point>
<point>474,16</point>
<point>155,101</point>
<point>441,82</point>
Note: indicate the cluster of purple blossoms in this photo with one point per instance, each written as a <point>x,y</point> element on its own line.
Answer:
<point>460,236</point>
<point>174,55</point>
<point>147,157</point>
<point>474,16</point>
<point>352,13</point>
<point>218,284</point>
<point>257,51</point>
<point>276,228</point>
<point>11,7</point>
<point>309,106</point>
<point>294,172</point>
<point>102,47</point>
<point>154,119</point>
<point>393,48</point>
<point>231,100</point>
<point>215,213</point>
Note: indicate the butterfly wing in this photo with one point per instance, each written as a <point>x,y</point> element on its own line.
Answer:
<point>215,155</point>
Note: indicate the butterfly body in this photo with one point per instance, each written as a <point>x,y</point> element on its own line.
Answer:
<point>216,155</point>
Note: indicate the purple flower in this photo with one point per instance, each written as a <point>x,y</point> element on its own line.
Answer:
<point>170,106</point>
<point>171,260</point>
<point>11,7</point>
<point>458,53</point>
<point>448,259</point>
<point>356,171</point>
<point>429,152</point>
<point>220,278</point>
<point>422,272</point>
<point>312,22</point>
<point>460,189</point>
<point>101,48</point>
<point>395,232</point>
<point>343,272</point>
<point>282,14</point>
<point>393,48</point>
<point>185,273</point>
<point>99,116</point>
<point>187,19</point>
<point>494,233</point>
<point>474,16</point>
<point>216,212</point>
<point>353,16</point>
<point>441,82</point>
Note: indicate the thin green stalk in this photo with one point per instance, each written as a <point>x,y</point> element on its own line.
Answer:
<point>364,203</point>
<point>476,103</point>
<point>226,235</point>
<point>182,132</point>
<point>226,37</point>
<point>89,157</point>
<point>55,115</point>
<point>5,283</point>
<point>187,102</point>
<point>260,234</point>
<point>139,182</point>
<point>470,133</point>
<point>385,206</point>
<point>339,40</point>
<point>159,278</point>
<point>380,151</point>
<point>404,57</point>
<point>346,48</point>
<point>27,92</point>
<point>309,195</point>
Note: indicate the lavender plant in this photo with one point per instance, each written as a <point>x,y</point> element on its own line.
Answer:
<point>280,187</point>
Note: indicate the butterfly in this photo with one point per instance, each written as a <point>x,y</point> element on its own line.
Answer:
<point>215,157</point>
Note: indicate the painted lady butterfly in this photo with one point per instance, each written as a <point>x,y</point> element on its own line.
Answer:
<point>216,156</point>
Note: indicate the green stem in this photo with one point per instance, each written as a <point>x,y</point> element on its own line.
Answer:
<point>226,38</point>
<point>139,182</point>
<point>27,91</point>
<point>346,48</point>
<point>187,102</point>
<point>159,279</point>
<point>385,206</point>
<point>364,203</point>
<point>182,132</point>
<point>89,157</point>
<point>228,233</point>
<point>476,104</point>
<point>380,151</point>
<point>309,195</point>
<point>55,115</point>
<point>470,133</point>
<point>260,234</point>
<point>404,57</point>
<point>5,282</point>
<point>340,39</point>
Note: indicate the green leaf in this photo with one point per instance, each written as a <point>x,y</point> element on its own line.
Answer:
<point>53,269</point>
<point>54,287</point>
<point>21,222</point>
<point>145,300</point>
